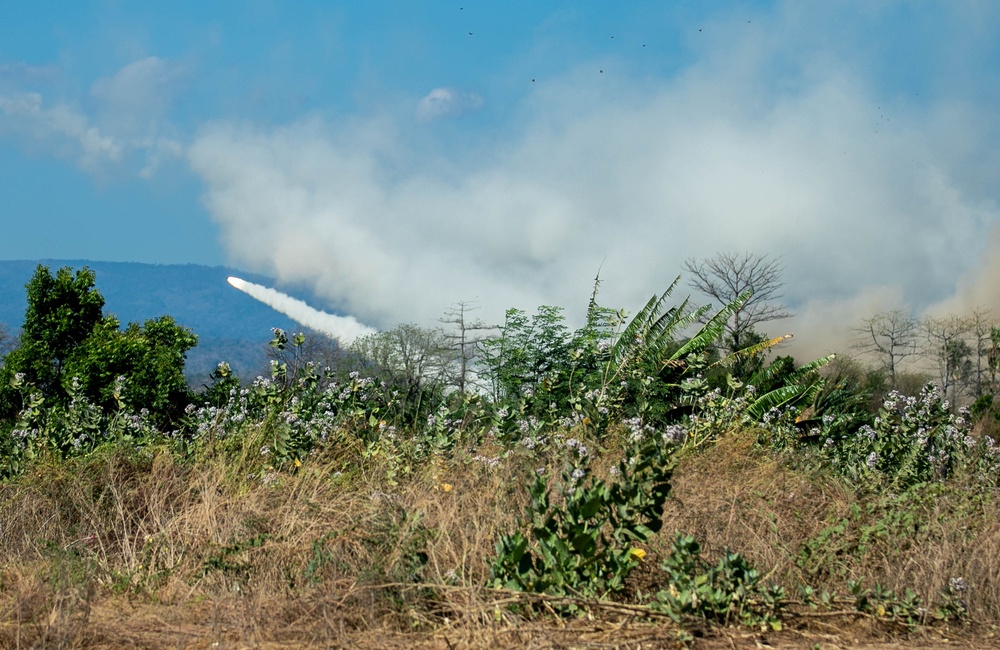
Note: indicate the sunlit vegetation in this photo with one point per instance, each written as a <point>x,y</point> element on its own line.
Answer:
<point>644,478</point>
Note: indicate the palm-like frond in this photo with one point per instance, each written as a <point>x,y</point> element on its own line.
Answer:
<point>649,330</point>
<point>747,352</point>
<point>793,392</point>
<point>807,368</point>
<point>774,399</point>
<point>712,330</point>
<point>767,374</point>
<point>663,333</point>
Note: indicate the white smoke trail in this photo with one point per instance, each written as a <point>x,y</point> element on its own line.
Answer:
<point>345,329</point>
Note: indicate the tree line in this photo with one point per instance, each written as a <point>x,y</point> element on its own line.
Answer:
<point>959,353</point>
<point>66,334</point>
<point>70,348</point>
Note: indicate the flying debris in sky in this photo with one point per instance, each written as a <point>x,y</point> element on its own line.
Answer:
<point>345,329</point>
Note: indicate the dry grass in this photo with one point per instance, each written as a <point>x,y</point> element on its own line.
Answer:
<point>131,551</point>
<point>735,496</point>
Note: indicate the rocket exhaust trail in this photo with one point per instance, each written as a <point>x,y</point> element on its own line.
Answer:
<point>345,329</point>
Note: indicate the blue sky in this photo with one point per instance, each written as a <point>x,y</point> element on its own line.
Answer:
<point>384,156</point>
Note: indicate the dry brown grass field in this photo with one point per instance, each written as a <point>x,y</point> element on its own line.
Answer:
<point>141,550</point>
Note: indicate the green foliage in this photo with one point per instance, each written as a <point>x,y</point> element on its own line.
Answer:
<point>70,430</point>
<point>677,375</point>
<point>883,603</point>
<point>649,368</point>
<point>148,359</point>
<point>77,380</point>
<point>62,312</point>
<point>728,592</point>
<point>582,542</point>
<point>891,526</point>
<point>650,382</point>
<point>914,440</point>
<point>530,357</point>
<point>749,355</point>
<point>223,382</point>
<point>777,386</point>
<point>68,350</point>
<point>848,400</point>
<point>301,408</point>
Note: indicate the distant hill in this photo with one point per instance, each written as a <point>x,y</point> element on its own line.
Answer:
<point>230,325</point>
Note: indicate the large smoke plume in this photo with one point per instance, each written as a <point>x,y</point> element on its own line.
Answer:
<point>779,139</point>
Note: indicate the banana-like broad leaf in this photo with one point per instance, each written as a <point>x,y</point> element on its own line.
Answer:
<point>793,392</point>
<point>766,374</point>
<point>805,369</point>
<point>712,330</point>
<point>729,360</point>
<point>650,331</point>
<point>662,333</point>
<point>775,399</point>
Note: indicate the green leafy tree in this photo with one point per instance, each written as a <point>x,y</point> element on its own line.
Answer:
<point>6,342</point>
<point>62,311</point>
<point>414,360</point>
<point>529,357</point>
<point>140,367</point>
<point>66,339</point>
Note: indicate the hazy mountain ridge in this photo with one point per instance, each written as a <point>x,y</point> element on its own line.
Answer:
<point>230,325</point>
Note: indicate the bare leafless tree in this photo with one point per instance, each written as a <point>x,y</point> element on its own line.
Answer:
<point>982,326</point>
<point>945,342</point>
<point>727,276</point>
<point>464,339</point>
<point>891,336</point>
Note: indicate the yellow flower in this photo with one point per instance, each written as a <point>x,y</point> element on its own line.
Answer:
<point>446,487</point>
<point>298,463</point>
<point>880,610</point>
<point>637,553</point>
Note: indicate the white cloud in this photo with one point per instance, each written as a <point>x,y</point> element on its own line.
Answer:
<point>135,99</point>
<point>130,116</point>
<point>447,102</point>
<point>71,131</point>
<point>865,197</point>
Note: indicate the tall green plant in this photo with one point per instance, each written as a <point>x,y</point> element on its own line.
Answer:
<point>582,543</point>
<point>62,312</point>
<point>798,387</point>
<point>652,365</point>
<point>530,358</point>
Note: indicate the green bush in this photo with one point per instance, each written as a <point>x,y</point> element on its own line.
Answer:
<point>728,592</point>
<point>582,542</point>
